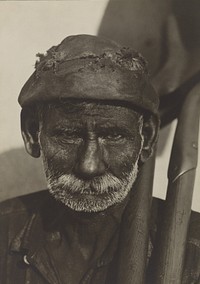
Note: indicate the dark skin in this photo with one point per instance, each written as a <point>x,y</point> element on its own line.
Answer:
<point>88,143</point>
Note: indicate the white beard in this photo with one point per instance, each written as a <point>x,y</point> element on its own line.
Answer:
<point>94,195</point>
<point>90,196</point>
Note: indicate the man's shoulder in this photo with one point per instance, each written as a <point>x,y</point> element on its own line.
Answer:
<point>22,204</point>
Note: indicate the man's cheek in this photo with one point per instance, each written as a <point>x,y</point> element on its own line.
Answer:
<point>121,162</point>
<point>59,159</point>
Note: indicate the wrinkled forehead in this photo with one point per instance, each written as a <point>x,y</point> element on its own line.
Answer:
<point>76,112</point>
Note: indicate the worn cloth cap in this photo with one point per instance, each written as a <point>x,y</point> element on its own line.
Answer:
<point>90,67</point>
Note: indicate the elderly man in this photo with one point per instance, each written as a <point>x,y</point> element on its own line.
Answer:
<point>91,113</point>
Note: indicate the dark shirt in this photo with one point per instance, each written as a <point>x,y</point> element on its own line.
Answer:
<point>33,244</point>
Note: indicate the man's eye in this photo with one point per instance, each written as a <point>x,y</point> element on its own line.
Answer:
<point>113,136</point>
<point>68,136</point>
<point>71,139</point>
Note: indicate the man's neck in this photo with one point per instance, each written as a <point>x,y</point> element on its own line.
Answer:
<point>89,233</point>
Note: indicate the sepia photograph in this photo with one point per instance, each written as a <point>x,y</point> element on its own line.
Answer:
<point>99,127</point>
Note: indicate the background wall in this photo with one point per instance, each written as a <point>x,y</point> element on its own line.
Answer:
<point>27,28</point>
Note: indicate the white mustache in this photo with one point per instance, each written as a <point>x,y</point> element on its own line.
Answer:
<point>107,183</point>
<point>90,196</point>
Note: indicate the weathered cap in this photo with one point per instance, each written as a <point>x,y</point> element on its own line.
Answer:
<point>90,67</point>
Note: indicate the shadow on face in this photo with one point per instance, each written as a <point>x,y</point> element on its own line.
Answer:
<point>87,141</point>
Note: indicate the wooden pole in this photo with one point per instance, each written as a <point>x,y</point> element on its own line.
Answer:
<point>170,250</point>
<point>134,233</point>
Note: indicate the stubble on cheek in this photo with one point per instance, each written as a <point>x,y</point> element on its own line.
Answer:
<point>89,196</point>
<point>96,195</point>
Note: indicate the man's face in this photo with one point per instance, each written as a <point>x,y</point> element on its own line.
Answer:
<point>90,154</point>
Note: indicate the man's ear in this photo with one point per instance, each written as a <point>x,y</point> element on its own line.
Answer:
<point>150,134</point>
<point>30,131</point>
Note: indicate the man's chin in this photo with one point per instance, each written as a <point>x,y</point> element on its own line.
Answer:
<point>87,202</point>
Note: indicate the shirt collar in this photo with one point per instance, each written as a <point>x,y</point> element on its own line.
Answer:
<point>44,224</point>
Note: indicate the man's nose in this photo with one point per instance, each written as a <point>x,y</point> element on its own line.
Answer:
<point>91,163</point>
